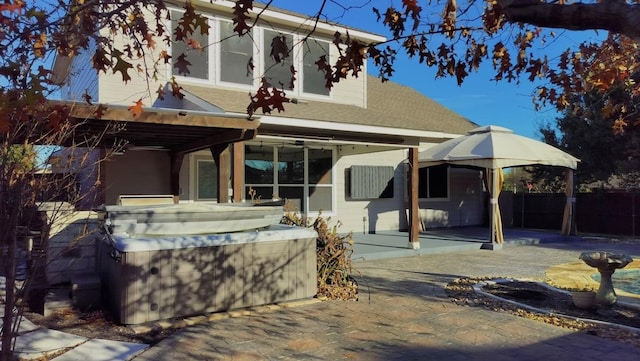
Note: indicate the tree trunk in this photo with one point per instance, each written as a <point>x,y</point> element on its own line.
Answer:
<point>8,317</point>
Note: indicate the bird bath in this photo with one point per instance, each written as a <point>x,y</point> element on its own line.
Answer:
<point>606,263</point>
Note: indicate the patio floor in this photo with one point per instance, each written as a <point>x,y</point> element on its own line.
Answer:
<point>390,244</point>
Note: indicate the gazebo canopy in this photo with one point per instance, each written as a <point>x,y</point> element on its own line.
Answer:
<point>493,148</point>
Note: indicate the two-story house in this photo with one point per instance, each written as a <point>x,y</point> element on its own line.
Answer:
<point>343,152</point>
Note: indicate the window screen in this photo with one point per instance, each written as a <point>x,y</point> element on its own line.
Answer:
<point>199,59</point>
<point>313,78</point>
<point>278,74</point>
<point>236,53</point>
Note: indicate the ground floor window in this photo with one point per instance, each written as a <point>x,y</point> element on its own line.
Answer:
<point>206,180</point>
<point>302,175</point>
<point>433,182</point>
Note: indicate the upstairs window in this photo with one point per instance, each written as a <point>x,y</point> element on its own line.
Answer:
<point>199,58</point>
<point>236,54</point>
<point>313,80</point>
<point>278,59</point>
<point>225,58</point>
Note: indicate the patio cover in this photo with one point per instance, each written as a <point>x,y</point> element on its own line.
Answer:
<point>177,131</point>
<point>493,148</point>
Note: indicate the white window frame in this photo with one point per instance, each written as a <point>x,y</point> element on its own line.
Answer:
<point>209,49</point>
<point>214,52</point>
<point>218,51</point>
<point>195,177</point>
<point>305,185</point>
<point>298,62</point>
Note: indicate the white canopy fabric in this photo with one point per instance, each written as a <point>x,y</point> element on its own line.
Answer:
<point>493,147</point>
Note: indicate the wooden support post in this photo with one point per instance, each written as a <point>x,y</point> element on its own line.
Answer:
<point>176,159</point>
<point>238,172</point>
<point>222,157</point>
<point>414,222</point>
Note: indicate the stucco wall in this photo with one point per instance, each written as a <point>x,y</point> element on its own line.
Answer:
<point>376,214</point>
<point>465,206</point>
<point>137,172</point>
<point>71,245</point>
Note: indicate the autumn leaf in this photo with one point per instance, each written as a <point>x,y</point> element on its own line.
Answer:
<point>202,22</point>
<point>461,72</point>
<point>292,79</point>
<point>54,120</point>
<point>194,44</point>
<point>394,20</point>
<point>279,48</point>
<point>176,89</point>
<point>250,66</point>
<point>17,6</point>
<point>121,65</point>
<point>241,10</point>
<point>87,97</point>
<point>160,92</point>
<point>100,111</point>
<point>165,57</point>
<point>278,98</point>
<point>324,66</point>
<point>99,60</point>
<point>182,64</point>
<point>149,39</point>
<point>136,108</point>
<point>39,45</point>
<point>267,98</point>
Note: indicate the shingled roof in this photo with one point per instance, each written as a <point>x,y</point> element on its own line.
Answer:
<point>389,105</point>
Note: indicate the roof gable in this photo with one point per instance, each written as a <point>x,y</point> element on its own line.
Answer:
<point>389,105</point>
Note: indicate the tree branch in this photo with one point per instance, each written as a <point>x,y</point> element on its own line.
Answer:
<point>615,16</point>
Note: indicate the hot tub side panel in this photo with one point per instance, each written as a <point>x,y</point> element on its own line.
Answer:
<point>304,276</point>
<point>283,271</point>
<point>152,285</point>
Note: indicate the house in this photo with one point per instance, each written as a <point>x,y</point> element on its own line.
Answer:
<point>347,153</point>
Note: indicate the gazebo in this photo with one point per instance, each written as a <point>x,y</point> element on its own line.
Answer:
<point>493,148</point>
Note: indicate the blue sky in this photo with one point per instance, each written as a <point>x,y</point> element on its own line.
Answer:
<point>479,99</point>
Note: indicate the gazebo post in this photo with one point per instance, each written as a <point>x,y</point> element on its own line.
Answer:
<point>495,240</point>
<point>568,217</point>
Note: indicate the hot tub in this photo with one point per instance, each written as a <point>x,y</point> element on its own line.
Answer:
<point>153,277</point>
<point>191,218</point>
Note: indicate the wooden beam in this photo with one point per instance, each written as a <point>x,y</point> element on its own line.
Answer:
<point>83,111</point>
<point>224,138</point>
<point>238,172</point>
<point>414,223</point>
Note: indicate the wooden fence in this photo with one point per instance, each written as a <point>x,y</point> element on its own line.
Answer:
<point>598,212</point>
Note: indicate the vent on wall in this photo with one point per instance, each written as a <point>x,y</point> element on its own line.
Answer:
<point>370,182</point>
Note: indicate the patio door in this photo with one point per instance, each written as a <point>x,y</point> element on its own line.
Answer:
<point>301,175</point>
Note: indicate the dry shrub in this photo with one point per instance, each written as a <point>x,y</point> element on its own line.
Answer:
<point>335,280</point>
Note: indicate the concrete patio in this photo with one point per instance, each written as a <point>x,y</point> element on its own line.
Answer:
<point>391,244</point>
